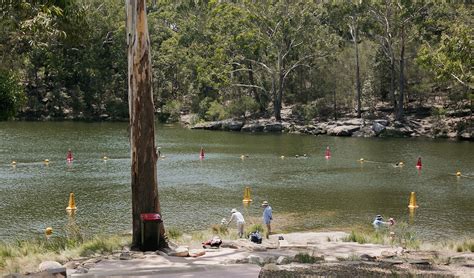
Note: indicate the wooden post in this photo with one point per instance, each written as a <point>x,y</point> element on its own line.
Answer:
<point>142,120</point>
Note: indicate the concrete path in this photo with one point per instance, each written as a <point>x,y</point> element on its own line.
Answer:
<point>213,264</point>
<point>240,261</point>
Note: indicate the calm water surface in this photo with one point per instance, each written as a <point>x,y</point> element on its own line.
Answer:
<point>340,192</point>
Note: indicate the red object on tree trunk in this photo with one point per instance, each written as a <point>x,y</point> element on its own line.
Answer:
<point>201,154</point>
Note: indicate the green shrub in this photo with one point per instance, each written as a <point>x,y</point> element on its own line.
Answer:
<point>12,96</point>
<point>220,229</point>
<point>174,233</point>
<point>216,111</point>
<point>242,106</point>
<point>403,236</point>
<point>438,112</point>
<point>101,245</point>
<point>356,237</point>
<point>171,111</point>
<point>254,228</point>
<point>317,109</point>
<point>203,107</point>
<point>306,258</point>
<point>465,246</point>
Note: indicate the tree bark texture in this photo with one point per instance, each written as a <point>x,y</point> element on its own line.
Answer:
<point>142,121</point>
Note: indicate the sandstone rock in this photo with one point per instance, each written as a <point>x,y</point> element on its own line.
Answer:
<point>392,132</point>
<point>208,125</point>
<point>271,267</point>
<point>355,121</point>
<point>273,127</point>
<point>81,270</point>
<point>242,261</point>
<point>196,253</point>
<point>232,125</point>
<point>48,265</point>
<point>378,127</point>
<point>71,265</point>
<point>462,259</point>
<point>187,119</point>
<point>253,259</point>
<point>391,261</point>
<point>364,132</point>
<point>259,248</point>
<point>286,126</point>
<point>269,260</point>
<point>367,257</point>
<point>253,127</point>
<point>382,122</point>
<point>467,135</point>
<point>283,260</point>
<point>180,252</point>
<point>345,130</point>
<point>125,256</point>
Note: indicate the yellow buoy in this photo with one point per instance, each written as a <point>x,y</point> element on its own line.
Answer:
<point>242,157</point>
<point>247,198</point>
<point>400,163</point>
<point>361,160</point>
<point>458,173</point>
<point>282,157</point>
<point>46,161</point>
<point>48,231</point>
<point>72,202</point>
<point>105,158</point>
<point>13,162</point>
<point>412,203</point>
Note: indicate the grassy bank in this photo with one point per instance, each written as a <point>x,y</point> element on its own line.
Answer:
<point>23,256</point>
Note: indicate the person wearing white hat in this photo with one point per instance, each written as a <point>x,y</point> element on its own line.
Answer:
<point>239,219</point>
<point>267,216</point>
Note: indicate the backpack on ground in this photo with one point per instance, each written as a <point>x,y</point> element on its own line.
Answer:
<point>256,237</point>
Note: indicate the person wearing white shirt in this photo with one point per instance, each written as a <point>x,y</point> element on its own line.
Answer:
<point>239,219</point>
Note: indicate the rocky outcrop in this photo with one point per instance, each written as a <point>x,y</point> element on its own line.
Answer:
<point>434,127</point>
<point>273,127</point>
<point>253,127</point>
<point>231,125</point>
<point>208,125</point>
<point>343,130</point>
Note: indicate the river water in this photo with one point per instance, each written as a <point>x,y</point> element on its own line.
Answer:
<point>194,194</point>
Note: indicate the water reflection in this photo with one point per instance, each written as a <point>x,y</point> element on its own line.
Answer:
<point>194,194</point>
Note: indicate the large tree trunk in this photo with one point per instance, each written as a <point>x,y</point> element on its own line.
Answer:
<point>402,77</point>
<point>142,121</point>
<point>278,94</point>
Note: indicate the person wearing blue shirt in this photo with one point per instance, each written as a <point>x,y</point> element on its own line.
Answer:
<point>267,216</point>
<point>378,222</point>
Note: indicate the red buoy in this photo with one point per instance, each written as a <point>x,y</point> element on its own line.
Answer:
<point>69,156</point>
<point>201,154</point>
<point>328,153</point>
<point>418,164</point>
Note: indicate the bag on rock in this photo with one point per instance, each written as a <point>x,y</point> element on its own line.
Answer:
<point>256,237</point>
